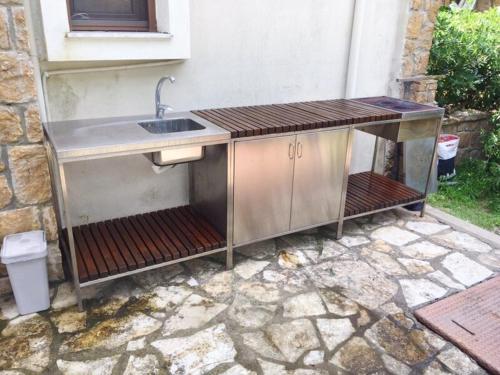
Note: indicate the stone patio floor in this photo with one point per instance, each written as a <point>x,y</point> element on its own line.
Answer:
<point>300,304</point>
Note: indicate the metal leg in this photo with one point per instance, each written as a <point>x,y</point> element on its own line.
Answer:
<point>375,150</point>
<point>71,240</point>
<point>343,196</point>
<point>433,160</point>
<point>422,211</point>
<point>229,225</point>
<point>56,198</point>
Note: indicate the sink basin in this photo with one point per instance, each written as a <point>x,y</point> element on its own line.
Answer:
<point>159,126</point>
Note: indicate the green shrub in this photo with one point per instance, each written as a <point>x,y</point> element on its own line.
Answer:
<point>491,147</point>
<point>491,139</point>
<point>466,51</point>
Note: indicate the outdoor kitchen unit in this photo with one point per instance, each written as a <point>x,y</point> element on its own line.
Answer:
<point>254,173</point>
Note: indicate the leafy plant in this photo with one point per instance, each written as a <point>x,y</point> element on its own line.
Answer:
<point>466,51</point>
<point>491,147</point>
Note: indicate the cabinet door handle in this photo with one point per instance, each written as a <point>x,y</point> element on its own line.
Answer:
<point>291,150</point>
<point>299,150</point>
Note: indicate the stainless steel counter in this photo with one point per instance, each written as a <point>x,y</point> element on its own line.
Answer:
<point>100,138</point>
<point>244,184</point>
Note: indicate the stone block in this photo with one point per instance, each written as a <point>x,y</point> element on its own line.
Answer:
<point>410,46</point>
<point>416,4</point>
<point>415,23</point>
<point>10,125</point>
<point>49,223</point>
<point>421,61</point>
<point>5,287</point>
<point>475,154</point>
<point>407,69</point>
<point>2,165</point>
<point>449,128</point>
<point>465,139</point>
<point>22,39</point>
<point>54,262</point>
<point>30,174</point>
<point>475,139</point>
<point>432,8</point>
<point>34,131</point>
<point>18,220</point>
<point>5,192</point>
<point>3,270</point>
<point>17,84</point>
<point>4,29</point>
<point>461,155</point>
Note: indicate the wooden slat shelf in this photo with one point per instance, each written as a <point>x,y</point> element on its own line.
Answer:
<point>116,246</point>
<point>369,191</point>
<point>281,118</point>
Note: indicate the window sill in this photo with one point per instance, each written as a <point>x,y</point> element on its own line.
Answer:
<point>116,35</point>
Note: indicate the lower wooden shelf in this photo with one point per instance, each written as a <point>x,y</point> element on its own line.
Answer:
<point>116,246</point>
<point>369,191</point>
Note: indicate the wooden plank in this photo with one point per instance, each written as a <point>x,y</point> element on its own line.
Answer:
<point>154,237</point>
<point>179,244</point>
<point>132,262</point>
<point>208,241</point>
<point>141,246</point>
<point>115,252</point>
<point>94,251</point>
<point>267,125</point>
<point>82,247</point>
<point>249,129</point>
<point>132,246</point>
<point>150,245</point>
<point>369,191</point>
<point>192,250</point>
<point>181,228</point>
<point>241,116</point>
<point>194,233</point>
<point>172,249</point>
<point>103,247</point>
<point>222,122</point>
<point>209,228</point>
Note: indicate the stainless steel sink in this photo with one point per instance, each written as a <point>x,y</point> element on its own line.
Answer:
<point>174,125</point>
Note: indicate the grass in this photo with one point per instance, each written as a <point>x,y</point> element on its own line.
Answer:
<point>474,197</point>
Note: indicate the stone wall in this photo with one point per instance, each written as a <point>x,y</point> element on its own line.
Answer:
<point>467,125</point>
<point>25,195</point>
<point>482,5</point>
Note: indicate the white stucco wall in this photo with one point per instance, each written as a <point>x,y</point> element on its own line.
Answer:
<point>242,53</point>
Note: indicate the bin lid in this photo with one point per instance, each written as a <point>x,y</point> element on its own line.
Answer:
<point>448,137</point>
<point>21,247</point>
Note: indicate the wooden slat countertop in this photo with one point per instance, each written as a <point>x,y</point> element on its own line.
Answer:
<point>282,118</point>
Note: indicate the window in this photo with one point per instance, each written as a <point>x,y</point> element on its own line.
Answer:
<point>112,15</point>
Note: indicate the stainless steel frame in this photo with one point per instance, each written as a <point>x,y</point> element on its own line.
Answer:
<point>63,207</point>
<point>433,161</point>
<point>153,267</point>
<point>343,197</point>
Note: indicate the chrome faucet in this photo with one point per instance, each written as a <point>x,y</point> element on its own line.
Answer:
<point>161,108</point>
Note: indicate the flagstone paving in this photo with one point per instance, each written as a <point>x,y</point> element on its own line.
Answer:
<point>302,304</point>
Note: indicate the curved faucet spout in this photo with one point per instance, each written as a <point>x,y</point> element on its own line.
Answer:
<point>161,108</point>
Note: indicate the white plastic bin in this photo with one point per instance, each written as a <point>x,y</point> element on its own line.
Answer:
<point>25,255</point>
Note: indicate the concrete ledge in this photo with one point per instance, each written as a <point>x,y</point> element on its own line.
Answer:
<point>486,236</point>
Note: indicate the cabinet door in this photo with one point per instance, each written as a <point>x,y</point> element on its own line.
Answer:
<point>263,176</point>
<point>317,182</point>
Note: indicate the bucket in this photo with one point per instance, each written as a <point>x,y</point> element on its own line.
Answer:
<point>447,151</point>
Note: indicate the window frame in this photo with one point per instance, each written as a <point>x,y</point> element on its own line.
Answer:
<point>98,25</point>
